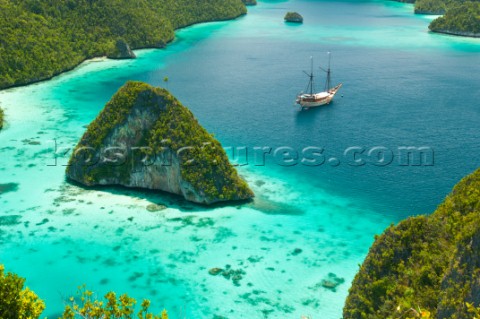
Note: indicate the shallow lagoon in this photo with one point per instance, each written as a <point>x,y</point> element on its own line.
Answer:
<point>402,87</point>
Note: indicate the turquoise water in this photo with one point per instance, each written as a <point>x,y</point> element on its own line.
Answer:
<point>402,86</point>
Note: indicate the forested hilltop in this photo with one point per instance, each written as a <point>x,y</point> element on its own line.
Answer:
<point>426,266</point>
<point>40,39</point>
<point>138,115</point>
<point>462,20</point>
<point>460,17</point>
<point>436,6</point>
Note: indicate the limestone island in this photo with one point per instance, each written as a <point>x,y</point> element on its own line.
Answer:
<point>250,2</point>
<point>429,262</point>
<point>462,20</point>
<point>293,17</point>
<point>145,138</point>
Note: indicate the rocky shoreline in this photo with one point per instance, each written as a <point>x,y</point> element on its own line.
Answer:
<point>458,33</point>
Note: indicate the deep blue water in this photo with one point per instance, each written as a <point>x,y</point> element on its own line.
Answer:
<point>402,87</point>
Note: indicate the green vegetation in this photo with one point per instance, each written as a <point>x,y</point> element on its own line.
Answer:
<point>16,301</point>
<point>40,39</point>
<point>111,307</point>
<point>428,264</point>
<point>210,172</point>
<point>436,6</point>
<point>174,127</point>
<point>433,6</point>
<point>463,19</point>
<point>293,17</point>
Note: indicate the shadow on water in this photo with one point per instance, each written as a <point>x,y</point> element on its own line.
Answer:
<point>274,1</point>
<point>270,207</point>
<point>308,116</point>
<point>160,198</point>
<point>293,24</point>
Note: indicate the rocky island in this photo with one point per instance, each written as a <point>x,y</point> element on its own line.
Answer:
<point>460,18</point>
<point>425,264</point>
<point>294,17</point>
<point>145,138</point>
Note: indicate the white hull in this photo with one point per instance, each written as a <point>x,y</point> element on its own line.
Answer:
<point>307,101</point>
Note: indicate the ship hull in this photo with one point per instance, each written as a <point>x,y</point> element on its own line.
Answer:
<point>307,101</point>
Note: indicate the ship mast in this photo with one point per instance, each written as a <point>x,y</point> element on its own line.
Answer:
<point>327,83</point>
<point>310,86</point>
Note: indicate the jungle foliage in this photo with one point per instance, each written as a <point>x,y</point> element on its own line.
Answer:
<point>430,264</point>
<point>462,19</point>
<point>40,39</point>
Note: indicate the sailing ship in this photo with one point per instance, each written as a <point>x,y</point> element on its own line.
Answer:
<point>312,99</point>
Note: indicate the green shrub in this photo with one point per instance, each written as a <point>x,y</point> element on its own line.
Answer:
<point>17,302</point>
<point>123,307</point>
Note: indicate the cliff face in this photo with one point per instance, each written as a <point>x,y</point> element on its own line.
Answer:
<point>145,138</point>
<point>430,263</point>
<point>122,51</point>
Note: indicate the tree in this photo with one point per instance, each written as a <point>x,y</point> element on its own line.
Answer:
<point>19,303</point>
<point>89,307</point>
<point>165,79</point>
<point>15,301</point>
